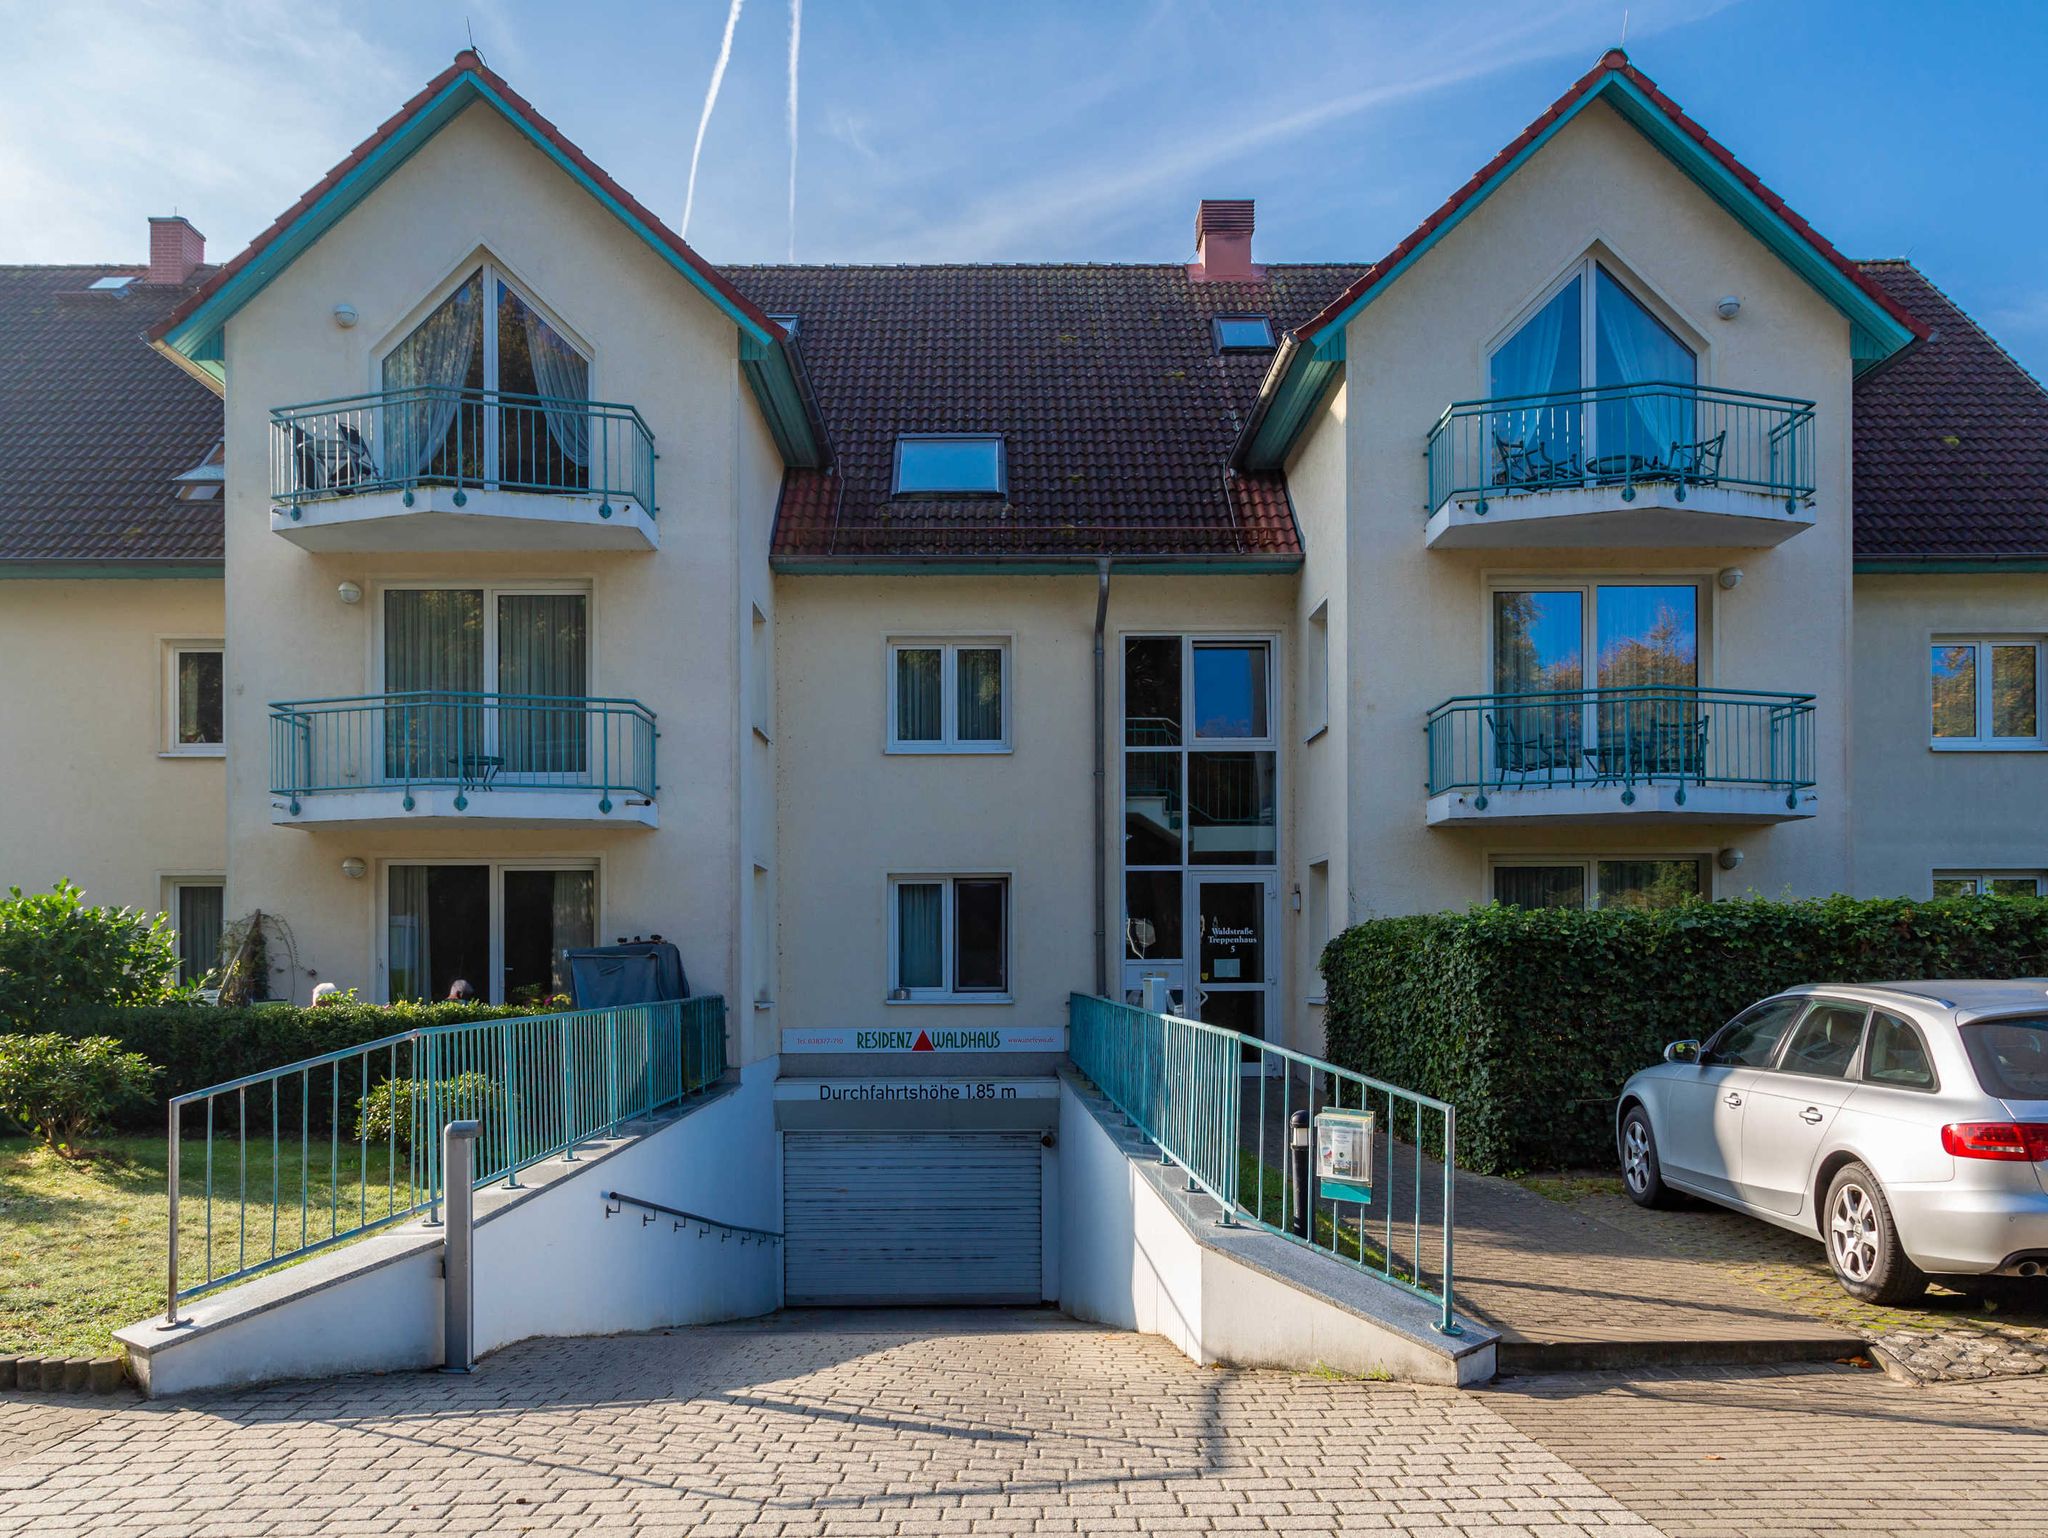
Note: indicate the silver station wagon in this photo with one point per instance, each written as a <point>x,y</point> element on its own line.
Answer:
<point>1905,1125</point>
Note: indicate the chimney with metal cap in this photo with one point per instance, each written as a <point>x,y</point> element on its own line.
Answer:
<point>1223,241</point>
<point>175,249</point>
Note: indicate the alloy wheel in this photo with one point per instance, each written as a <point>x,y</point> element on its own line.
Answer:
<point>1635,1155</point>
<point>1852,1233</point>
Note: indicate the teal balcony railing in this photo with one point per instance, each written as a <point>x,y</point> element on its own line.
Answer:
<point>476,743</point>
<point>1219,1104</point>
<point>472,440</point>
<point>1683,737</point>
<point>1622,437</point>
<point>271,1167</point>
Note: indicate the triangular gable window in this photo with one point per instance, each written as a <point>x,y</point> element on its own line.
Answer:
<point>1598,389</point>
<point>487,389</point>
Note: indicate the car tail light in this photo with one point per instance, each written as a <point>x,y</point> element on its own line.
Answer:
<point>2016,1140</point>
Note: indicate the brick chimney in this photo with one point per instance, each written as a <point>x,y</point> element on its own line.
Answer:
<point>175,249</point>
<point>1223,242</point>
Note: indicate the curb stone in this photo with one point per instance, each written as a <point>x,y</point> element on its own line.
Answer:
<point>63,1375</point>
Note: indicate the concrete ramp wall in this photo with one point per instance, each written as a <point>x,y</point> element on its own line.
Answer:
<point>1140,1253</point>
<point>548,1262</point>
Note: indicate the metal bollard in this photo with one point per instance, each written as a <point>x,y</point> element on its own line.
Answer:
<point>1297,1155</point>
<point>458,1246</point>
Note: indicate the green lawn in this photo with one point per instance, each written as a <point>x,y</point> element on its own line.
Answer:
<point>82,1242</point>
<point>1262,1191</point>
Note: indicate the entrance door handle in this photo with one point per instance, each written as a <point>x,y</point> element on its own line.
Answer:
<point>1731,1098</point>
<point>1811,1113</point>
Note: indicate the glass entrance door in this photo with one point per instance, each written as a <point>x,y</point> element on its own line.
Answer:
<point>1233,922</point>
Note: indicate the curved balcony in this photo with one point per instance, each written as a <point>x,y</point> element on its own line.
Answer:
<point>1654,465</point>
<point>1621,755</point>
<point>503,760</point>
<point>442,469</point>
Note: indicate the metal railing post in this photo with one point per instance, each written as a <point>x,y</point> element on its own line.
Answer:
<point>1449,1325</point>
<point>171,1320</point>
<point>458,1248</point>
<point>568,1095</point>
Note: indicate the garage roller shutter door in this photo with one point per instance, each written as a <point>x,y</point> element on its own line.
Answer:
<point>938,1217</point>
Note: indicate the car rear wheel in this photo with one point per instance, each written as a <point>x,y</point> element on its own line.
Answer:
<point>1641,1174</point>
<point>1863,1241</point>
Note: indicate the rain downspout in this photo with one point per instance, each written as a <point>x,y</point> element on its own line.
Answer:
<point>1101,784</point>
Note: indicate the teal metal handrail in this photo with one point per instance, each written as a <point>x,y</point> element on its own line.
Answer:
<point>1689,738</point>
<point>1183,1083</point>
<point>351,1138</point>
<point>472,440</point>
<point>1622,437</point>
<point>474,742</point>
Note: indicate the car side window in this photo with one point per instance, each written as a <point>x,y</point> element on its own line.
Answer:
<point>1752,1037</point>
<point>1824,1042</point>
<point>1897,1056</point>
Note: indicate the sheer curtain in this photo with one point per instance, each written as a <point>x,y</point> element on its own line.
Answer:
<point>408,943</point>
<point>575,921</point>
<point>920,697</point>
<point>978,690</point>
<point>433,363</point>
<point>542,650</point>
<point>433,648</point>
<point>1542,358</point>
<point>920,934</point>
<point>560,373</point>
<point>1632,347</point>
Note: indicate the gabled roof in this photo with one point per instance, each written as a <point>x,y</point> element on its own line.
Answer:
<point>1951,443</point>
<point>193,329</point>
<point>95,429</point>
<point>1312,355</point>
<point>1116,408</point>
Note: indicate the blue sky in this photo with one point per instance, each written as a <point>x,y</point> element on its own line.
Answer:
<point>1057,129</point>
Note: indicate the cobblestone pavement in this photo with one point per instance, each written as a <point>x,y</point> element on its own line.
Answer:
<point>1797,1452</point>
<point>874,1425</point>
<point>1016,1423</point>
<point>1949,1337</point>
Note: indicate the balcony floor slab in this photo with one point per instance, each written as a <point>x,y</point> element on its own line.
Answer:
<point>1603,804</point>
<point>384,807</point>
<point>378,521</point>
<point>1577,518</point>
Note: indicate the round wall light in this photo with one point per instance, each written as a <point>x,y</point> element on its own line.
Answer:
<point>349,592</point>
<point>354,868</point>
<point>1730,577</point>
<point>1729,307</point>
<point>1728,859</point>
<point>345,315</point>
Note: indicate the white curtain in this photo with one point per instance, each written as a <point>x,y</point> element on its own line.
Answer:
<point>430,366</point>
<point>1542,359</point>
<point>542,646</point>
<point>979,693</point>
<point>434,650</point>
<point>574,914</point>
<point>920,935</point>
<point>920,697</point>
<point>408,945</point>
<point>1633,348</point>
<point>561,374</point>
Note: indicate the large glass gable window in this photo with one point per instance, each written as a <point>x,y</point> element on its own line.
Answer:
<point>486,388</point>
<point>1592,386</point>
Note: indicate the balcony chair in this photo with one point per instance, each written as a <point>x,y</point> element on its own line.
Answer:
<point>1699,464</point>
<point>332,461</point>
<point>1528,754</point>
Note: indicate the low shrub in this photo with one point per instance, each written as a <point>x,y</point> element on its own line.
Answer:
<point>200,1045</point>
<point>63,1089</point>
<point>388,1113</point>
<point>57,951</point>
<point>1529,1020</point>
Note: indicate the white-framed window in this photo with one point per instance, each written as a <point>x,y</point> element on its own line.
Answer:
<point>1599,881</point>
<point>949,939</point>
<point>949,696</point>
<point>504,927</point>
<point>1985,693</point>
<point>1990,883</point>
<point>197,910</point>
<point>194,697</point>
<point>1315,673</point>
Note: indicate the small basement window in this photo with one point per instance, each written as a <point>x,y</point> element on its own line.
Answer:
<point>1243,333</point>
<point>951,465</point>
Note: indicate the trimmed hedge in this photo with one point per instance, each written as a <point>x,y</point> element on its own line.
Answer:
<point>1529,1020</point>
<point>197,1045</point>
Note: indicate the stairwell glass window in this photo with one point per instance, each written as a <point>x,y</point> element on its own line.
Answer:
<point>949,697</point>
<point>195,695</point>
<point>1591,387</point>
<point>1986,693</point>
<point>949,939</point>
<point>951,465</point>
<point>487,390</point>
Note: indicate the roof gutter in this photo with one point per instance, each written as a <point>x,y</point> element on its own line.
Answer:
<point>2016,563</point>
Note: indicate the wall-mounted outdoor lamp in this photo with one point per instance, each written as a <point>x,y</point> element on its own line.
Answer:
<point>345,315</point>
<point>1730,577</point>
<point>354,868</point>
<point>1729,307</point>
<point>1728,859</point>
<point>349,592</point>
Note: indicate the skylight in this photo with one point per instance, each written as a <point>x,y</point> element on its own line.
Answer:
<point>951,465</point>
<point>788,323</point>
<point>1243,333</point>
<point>111,285</point>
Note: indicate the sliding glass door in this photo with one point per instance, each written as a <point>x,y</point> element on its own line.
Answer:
<point>504,930</point>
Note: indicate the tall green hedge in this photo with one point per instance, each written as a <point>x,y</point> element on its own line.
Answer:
<point>198,1045</point>
<point>1529,1020</point>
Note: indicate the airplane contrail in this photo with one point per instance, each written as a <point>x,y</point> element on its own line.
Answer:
<point>796,33</point>
<point>732,20</point>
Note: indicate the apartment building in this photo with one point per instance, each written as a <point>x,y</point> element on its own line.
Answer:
<point>918,645</point>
